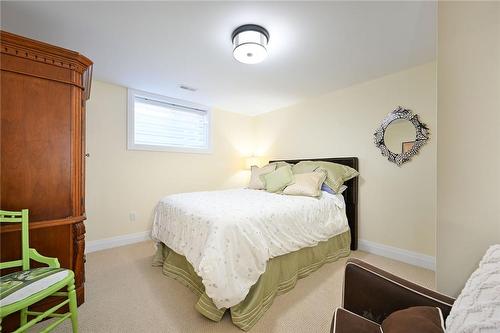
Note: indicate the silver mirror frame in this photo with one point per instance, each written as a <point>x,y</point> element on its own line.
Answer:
<point>421,135</point>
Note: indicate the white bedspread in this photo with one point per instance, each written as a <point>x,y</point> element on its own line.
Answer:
<point>228,236</point>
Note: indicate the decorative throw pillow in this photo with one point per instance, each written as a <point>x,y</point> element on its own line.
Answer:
<point>256,182</point>
<point>417,319</point>
<point>304,167</point>
<point>279,164</point>
<point>477,308</point>
<point>327,188</point>
<point>306,184</point>
<point>337,173</point>
<point>279,179</point>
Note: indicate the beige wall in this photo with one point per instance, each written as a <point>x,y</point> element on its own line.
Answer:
<point>397,204</point>
<point>468,165</point>
<point>120,181</point>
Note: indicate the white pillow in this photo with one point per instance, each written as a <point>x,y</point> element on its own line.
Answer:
<point>477,308</point>
<point>256,182</point>
<point>306,184</point>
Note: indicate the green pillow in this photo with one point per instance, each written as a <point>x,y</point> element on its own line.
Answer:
<point>304,167</point>
<point>277,180</point>
<point>279,164</point>
<point>337,174</point>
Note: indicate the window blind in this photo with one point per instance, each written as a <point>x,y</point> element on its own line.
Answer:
<point>163,124</point>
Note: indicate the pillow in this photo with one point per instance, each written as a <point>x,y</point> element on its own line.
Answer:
<point>279,179</point>
<point>307,184</point>
<point>327,188</point>
<point>256,182</point>
<point>279,164</point>
<point>304,167</point>
<point>417,319</point>
<point>477,308</point>
<point>337,173</point>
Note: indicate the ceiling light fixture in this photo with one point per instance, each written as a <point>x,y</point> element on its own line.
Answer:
<point>250,43</point>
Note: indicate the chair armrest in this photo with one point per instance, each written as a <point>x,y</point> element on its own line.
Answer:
<point>51,262</point>
<point>347,322</point>
<point>374,293</point>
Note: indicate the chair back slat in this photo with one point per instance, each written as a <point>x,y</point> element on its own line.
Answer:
<point>18,213</point>
<point>11,219</point>
<point>18,217</point>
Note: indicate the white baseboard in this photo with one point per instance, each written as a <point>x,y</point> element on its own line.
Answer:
<point>108,243</point>
<point>409,257</point>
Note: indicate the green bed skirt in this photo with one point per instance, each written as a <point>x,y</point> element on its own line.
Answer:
<point>280,276</point>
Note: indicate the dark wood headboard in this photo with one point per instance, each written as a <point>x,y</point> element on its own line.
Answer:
<point>350,195</point>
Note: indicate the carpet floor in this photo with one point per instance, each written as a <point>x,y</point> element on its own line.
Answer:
<point>124,293</point>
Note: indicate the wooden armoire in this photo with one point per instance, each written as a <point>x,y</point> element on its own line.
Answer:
<point>42,149</point>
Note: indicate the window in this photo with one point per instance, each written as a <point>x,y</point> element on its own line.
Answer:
<point>166,124</point>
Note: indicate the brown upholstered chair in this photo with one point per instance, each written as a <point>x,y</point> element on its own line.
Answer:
<point>370,295</point>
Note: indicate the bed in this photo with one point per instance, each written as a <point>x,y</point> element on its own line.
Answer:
<point>238,249</point>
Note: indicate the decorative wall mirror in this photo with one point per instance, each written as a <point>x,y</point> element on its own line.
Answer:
<point>401,135</point>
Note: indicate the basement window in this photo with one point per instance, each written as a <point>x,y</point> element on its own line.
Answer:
<point>160,123</point>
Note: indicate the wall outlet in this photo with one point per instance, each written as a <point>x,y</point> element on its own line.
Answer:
<point>132,216</point>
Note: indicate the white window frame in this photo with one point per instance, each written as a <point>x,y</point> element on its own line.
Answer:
<point>131,145</point>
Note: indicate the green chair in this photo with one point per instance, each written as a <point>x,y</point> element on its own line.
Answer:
<point>21,289</point>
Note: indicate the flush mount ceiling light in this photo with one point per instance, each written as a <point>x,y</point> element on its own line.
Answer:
<point>250,43</point>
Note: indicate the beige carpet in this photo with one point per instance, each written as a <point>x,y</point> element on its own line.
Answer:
<point>125,294</point>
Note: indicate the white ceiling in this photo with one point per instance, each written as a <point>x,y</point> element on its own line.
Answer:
<point>315,47</point>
